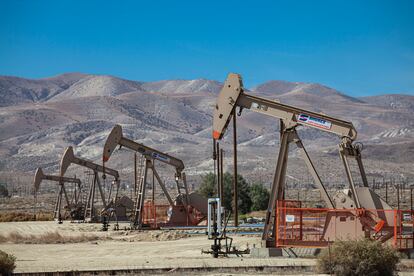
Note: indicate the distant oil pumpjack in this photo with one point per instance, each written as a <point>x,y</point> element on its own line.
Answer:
<point>90,213</point>
<point>74,205</point>
<point>186,209</point>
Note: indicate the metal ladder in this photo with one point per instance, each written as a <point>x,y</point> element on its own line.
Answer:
<point>140,174</point>
<point>88,205</point>
<point>140,194</point>
<point>83,198</point>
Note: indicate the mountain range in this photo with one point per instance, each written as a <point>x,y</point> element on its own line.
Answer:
<point>39,118</point>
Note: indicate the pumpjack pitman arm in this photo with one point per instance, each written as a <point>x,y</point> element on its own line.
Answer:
<point>116,138</point>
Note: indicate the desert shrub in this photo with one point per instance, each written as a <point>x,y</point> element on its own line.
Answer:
<point>7,263</point>
<point>362,257</point>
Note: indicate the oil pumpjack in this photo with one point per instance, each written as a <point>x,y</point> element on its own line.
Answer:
<point>371,218</point>
<point>90,213</point>
<point>186,209</point>
<point>74,207</point>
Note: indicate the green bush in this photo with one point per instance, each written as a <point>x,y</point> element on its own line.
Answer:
<point>208,188</point>
<point>7,263</point>
<point>362,257</point>
<point>260,197</point>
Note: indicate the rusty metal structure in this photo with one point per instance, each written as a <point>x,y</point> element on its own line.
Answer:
<point>186,209</point>
<point>354,208</point>
<point>74,205</point>
<point>90,212</point>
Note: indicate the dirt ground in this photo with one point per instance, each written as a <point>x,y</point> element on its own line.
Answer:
<point>122,250</point>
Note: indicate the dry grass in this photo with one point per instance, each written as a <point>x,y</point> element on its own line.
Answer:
<point>47,238</point>
<point>22,216</point>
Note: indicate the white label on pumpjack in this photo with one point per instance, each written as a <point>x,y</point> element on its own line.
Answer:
<point>290,218</point>
<point>313,121</point>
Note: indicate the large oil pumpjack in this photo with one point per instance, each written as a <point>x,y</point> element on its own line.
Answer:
<point>351,214</point>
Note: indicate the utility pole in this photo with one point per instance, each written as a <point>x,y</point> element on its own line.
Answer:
<point>215,164</point>
<point>235,186</point>
<point>135,174</point>
<point>221,176</point>
<point>219,184</point>
<point>153,186</point>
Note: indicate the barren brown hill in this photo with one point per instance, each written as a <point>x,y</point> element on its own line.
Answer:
<point>39,118</point>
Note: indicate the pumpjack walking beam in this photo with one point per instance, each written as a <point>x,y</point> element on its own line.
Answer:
<point>69,158</point>
<point>232,95</point>
<point>39,176</point>
<point>116,138</point>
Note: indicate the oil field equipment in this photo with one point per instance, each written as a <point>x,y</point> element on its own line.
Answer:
<point>216,231</point>
<point>351,214</point>
<point>90,213</point>
<point>187,209</point>
<point>74,205</point>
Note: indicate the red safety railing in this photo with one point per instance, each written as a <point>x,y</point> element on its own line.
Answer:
<point>317,227</point>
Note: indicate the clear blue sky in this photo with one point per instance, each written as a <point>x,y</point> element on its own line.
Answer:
<point>358,47</point>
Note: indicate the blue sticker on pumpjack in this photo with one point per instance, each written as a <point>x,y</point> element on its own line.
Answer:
<point>313,121</point>
<point>160,157</point>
